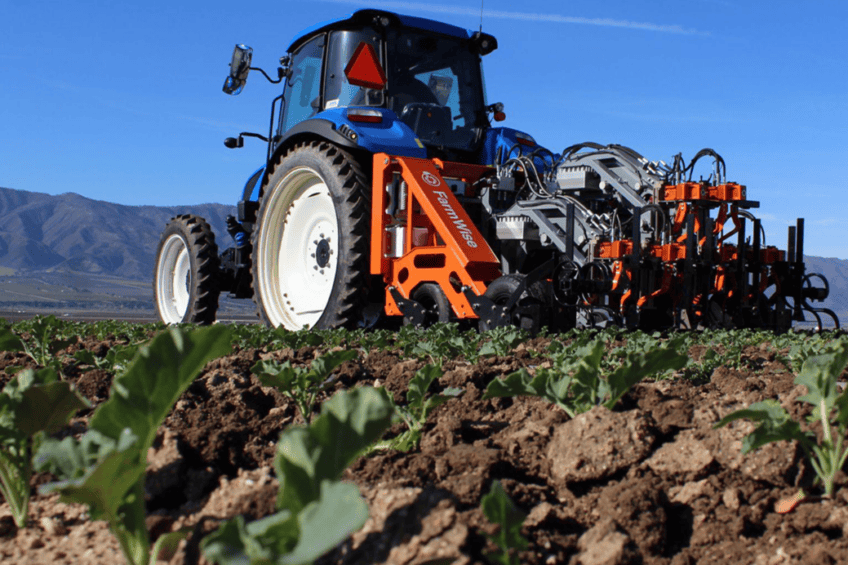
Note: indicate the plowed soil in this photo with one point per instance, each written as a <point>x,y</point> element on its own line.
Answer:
<point>651,482</point>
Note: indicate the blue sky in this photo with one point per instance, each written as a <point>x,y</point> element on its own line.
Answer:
<point>122,101</point>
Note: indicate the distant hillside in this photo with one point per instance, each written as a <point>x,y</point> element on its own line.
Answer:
<point>71,233</point>
<point>836,273</point>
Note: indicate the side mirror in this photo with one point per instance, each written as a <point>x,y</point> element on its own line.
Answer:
<point>239,67</point>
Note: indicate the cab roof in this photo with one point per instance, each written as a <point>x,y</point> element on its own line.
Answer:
<point>363,17</point>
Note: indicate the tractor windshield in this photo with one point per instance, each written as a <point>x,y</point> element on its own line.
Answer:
<point>435,87</point>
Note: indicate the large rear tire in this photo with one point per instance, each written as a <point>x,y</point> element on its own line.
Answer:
<point>185,283</point>
<point>310,240</point>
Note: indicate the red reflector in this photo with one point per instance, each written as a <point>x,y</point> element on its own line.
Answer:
<point>364,68</point>
<point>500,116</point>
<point>365,116</point>
<point>527,142</point>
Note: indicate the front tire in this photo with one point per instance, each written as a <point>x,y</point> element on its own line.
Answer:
<point>309,245</point>
<point>185,283</point>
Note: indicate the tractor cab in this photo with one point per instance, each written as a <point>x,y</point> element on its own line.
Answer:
<point>377,70</point>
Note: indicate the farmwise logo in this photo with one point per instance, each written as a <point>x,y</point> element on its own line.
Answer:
<point>460,224</point>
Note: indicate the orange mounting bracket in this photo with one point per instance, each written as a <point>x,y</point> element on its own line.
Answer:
<point>428,237</point>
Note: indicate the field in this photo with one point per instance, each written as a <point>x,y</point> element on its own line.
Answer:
<point>652,480</point>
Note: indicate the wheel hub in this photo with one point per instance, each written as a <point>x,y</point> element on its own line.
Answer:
<point>322,253</point>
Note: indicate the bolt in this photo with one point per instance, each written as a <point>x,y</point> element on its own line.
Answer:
<point>313,255</point>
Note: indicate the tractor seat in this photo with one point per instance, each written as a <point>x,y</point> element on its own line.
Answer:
<point>430,122</point>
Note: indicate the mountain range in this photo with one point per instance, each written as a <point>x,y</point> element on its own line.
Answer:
<point>71,233</point>
<point>72,238</point>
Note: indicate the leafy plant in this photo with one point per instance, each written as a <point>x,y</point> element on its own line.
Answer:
<point>438,342</point>
<point>300,384</point>
<point>575,381</point>
<point>502,340</point>
<point>105,468</point>
<point>116,360</point>
<point>819,374</point>
<point>31,404</point>
<point>500,510</point>
<point>417,409</point>
<point>316,510</point>
<point>43,344</point>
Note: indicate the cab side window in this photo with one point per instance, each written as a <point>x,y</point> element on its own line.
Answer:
<point>303,89</point>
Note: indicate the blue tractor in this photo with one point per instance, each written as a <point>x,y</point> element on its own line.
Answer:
<point>387,193</point>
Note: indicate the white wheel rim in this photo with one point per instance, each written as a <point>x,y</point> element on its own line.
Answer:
<point>296,250</point>
<point>173,280</point>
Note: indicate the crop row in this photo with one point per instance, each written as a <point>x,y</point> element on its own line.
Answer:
<point>153,366</point>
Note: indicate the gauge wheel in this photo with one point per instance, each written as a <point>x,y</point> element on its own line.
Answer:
<point>534,297</point>
<point>185,284</point>
<point>310,241</point>
<point>436,305</point>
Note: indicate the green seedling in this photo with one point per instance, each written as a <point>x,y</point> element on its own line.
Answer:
<point>500,510</point>
<point>819,375</point>
<point>300,384</point>
<point>116,360</point>
<point>502,340</point>
<point>316,510</point>
<point>32,404</point>
<point>576,382</point>
<point>418,408</point>
<point>43,344</point>
<point>437,343</point>
<point>105,468</point>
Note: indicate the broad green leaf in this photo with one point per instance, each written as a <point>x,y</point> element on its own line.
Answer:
<point>327,522</point>
<point>773,424</point>
<point>418,385</point>
<point>231,544</point>
<point>103,485</point>
<point>819,374</point>
<point>48,407</point>
<point>272,373</point>
<point>349,422</point>
<point>15,473</point>
<point>9,341</point>
<point>499,509</point>
<point>142,396</point>
<point>587,387</point>
<point>519,383</point>
<point>329,362</point>
<point>166,545</point>
<point>638,366</point>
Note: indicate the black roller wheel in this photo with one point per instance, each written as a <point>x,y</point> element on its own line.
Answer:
<point>526,312</point>
<point>436,305</point>
<point>310,240</point>
<point>185,284</point>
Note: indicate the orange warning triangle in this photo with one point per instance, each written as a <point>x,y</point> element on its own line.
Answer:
<point>364,68</point>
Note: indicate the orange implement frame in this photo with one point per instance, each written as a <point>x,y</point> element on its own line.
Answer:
<point>703,191</point>
<point>429,237</point>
